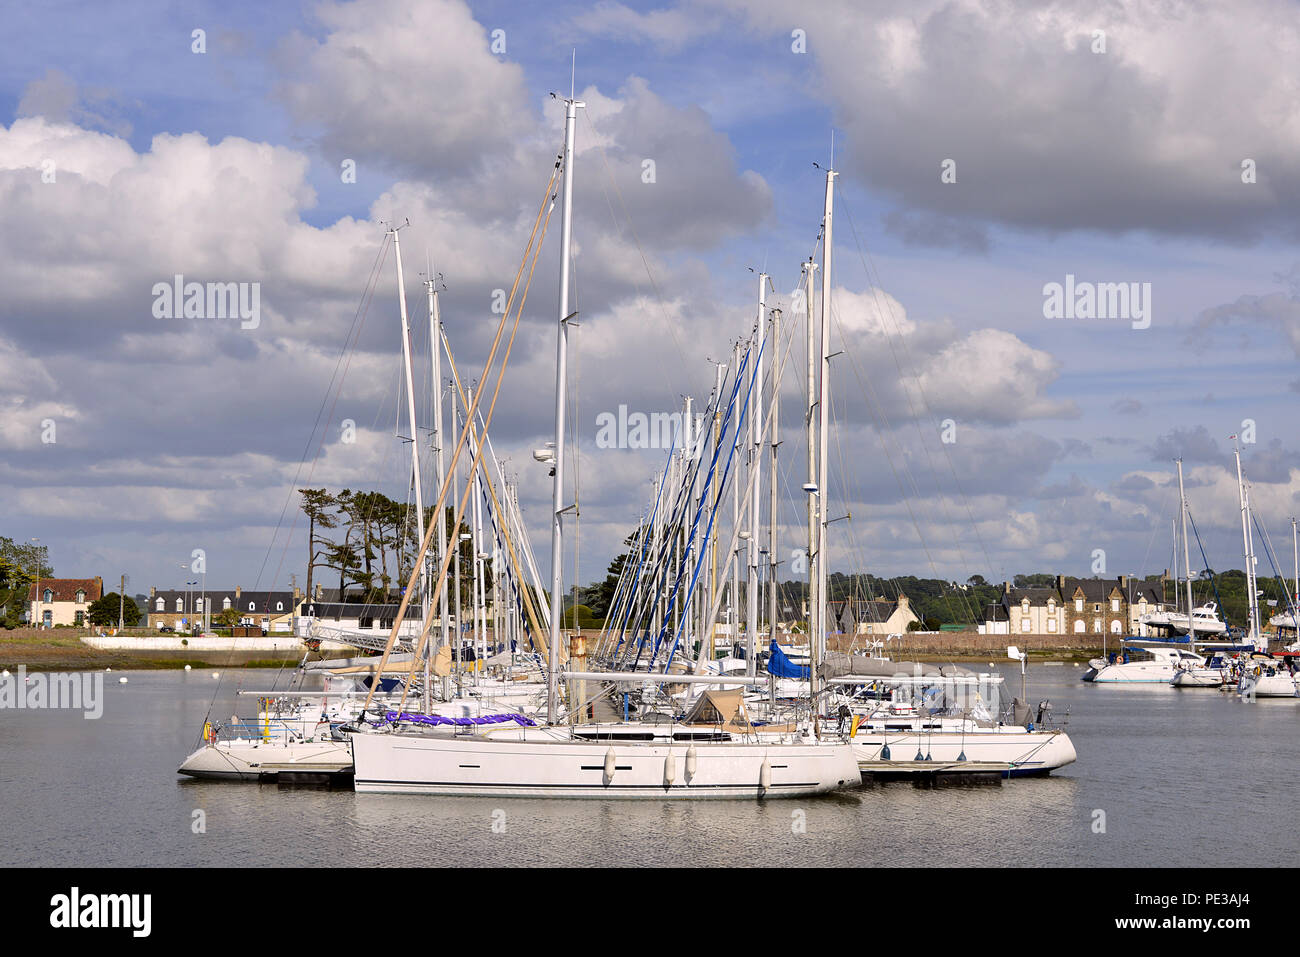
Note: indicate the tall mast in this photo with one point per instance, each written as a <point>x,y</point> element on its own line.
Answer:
<point>823,425</point>
<point>771,473</point>
<point>811,429</point>
<point>1295,594</point>
<point>435,349</point>
<point>1244,500</point>
<point>561,377</point>
<point>1187,555</point>
<point>410,409</point>
<point>756,466</point>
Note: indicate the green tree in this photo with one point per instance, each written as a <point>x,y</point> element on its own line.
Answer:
<point>318,505</point>
<point>105,611</point>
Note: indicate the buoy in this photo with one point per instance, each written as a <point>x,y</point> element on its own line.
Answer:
<point>692,761</point>
<point>187,667</point>
<point>216,674</point>
<point>670,770</point>
<point>884,753</point>
<point>108,669</point>
<point>609,765</point>
<point>6,673</point>
<point>121,681</point>
<point>765,776</point>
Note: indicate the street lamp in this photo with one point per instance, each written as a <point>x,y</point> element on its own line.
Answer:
<point>37,596</point>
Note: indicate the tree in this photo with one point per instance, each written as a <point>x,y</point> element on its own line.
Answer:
<point>317,504</point>
<point>227,618</point>
<point>105,611</point>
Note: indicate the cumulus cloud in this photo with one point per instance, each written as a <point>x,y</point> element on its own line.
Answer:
<point>1048,134</point>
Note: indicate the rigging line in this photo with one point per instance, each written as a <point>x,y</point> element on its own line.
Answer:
<point>477,458</point>
<point>865,257</point>
<point>358,323</point>
<point>548,199</point>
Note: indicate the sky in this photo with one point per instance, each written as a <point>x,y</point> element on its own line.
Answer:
<point>983,150</point>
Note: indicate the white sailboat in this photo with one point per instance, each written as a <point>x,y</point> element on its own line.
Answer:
<point>559,761</point>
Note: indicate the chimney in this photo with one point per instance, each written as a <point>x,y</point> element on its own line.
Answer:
<point>319,592</point>
<point>1123,582</point>
<point>1006,588</point>
<point>297,594</point>
<point>153,591</point>
<point>238,592</point>
<point>1060,584</point>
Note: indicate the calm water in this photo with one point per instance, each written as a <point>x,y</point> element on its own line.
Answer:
<point>1185,778</point>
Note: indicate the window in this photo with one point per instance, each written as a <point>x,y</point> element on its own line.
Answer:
<point>1114,627</point>
<point>1051,625</point>
<point>1078,626</point>
<point>1096,606</point>
<point>1114,604</point>
<point>1024,624</point>
<point>252,606</point>
<point>1096,626</point>
<point>159,605</point>
<point>225,603</point>
<point>47,595</point>
<point>80,618</point>
<point>279,606</point>
<point>81,597</point>
<point>180,605</point>
<point>366,621</point>
<point>1078,604</point>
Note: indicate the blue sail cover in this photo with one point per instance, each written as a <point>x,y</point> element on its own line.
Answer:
<point>781,666</point>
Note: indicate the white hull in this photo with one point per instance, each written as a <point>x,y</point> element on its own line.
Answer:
<point>1267,686</point>
<point>1027,752</point>
<point>1200,678</point>
<point>1134,672</point>
<point>546,764</point>
<point>244,760</point>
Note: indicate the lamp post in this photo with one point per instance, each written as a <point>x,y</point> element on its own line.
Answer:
<point>36,596</point>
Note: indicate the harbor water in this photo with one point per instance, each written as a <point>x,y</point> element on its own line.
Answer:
<point>1165,777</point>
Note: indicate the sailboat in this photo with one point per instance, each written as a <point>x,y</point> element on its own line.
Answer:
<point>558,760</point>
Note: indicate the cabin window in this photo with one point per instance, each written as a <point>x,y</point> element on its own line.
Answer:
<point>366,621</point>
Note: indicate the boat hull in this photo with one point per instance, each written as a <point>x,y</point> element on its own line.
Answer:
<point>1023,752</point>
<point>1267,686</point>
<point>257,761</point>
<point>469,765</point>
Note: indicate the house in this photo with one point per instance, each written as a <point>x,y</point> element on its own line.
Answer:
<point>62,601</point>
<point>1073,606</point>
<point>355,616</point>
<point>857,616</point>
<point>273,611</point>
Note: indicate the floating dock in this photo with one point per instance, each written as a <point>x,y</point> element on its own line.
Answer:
<point>936,774</point>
